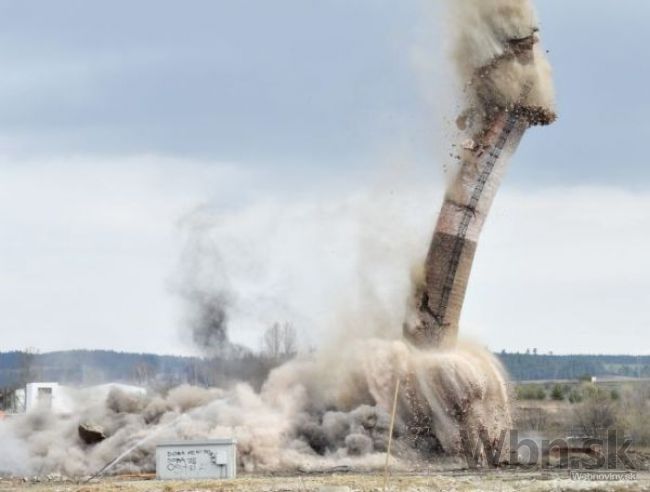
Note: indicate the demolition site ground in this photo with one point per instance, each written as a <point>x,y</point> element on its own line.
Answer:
<point>493,480</point>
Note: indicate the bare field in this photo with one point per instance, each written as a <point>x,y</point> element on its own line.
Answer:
<point>509,480</point>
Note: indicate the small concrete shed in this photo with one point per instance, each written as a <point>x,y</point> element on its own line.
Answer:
<point>210,459</point>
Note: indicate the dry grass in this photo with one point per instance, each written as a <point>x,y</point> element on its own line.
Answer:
<point>510,480</point>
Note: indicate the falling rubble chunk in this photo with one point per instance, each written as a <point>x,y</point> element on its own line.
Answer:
<point>91,433</point>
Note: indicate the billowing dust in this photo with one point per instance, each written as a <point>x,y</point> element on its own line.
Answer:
<point>498,58</point>
<point>331,408</point>
<point>311,414</point>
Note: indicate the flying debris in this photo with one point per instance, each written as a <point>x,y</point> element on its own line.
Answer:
<point>505,95</point>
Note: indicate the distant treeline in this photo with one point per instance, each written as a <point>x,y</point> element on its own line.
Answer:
<point>99,366</point>
<point>531,366</point>
<point>88,367</point>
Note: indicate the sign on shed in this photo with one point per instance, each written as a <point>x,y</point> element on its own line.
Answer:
<point>211,459</point>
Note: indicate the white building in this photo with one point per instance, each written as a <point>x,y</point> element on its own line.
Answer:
<point>64,399</point>
<point>46,396</point>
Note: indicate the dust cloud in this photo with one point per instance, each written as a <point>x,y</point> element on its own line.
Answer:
<point>308,416</point>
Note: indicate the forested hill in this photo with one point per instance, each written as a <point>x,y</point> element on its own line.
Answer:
<point>87,367</point>
<point>99,366</point>
<point>531,366</point>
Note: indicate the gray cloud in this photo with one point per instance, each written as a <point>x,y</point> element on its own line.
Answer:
<point>228,80</point>
<point>315,83</point>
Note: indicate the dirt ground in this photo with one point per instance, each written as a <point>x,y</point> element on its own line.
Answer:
<point>457,481</point>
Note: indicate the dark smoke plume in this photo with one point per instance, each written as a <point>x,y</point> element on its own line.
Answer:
<point>203,285</point>
<point>209,323</point>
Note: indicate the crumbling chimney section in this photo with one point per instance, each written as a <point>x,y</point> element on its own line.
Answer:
<point>494,125</point>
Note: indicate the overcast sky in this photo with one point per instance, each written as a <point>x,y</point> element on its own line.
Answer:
<point>309,135</point>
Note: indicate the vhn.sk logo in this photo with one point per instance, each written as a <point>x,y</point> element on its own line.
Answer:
<point>610,450</point>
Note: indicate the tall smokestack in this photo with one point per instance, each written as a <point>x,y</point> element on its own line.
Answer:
<point>507,89</point>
